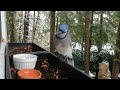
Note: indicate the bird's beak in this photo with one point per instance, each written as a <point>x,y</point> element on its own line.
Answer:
<point>61,31</point>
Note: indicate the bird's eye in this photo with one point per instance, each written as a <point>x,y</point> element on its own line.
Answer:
<point>61,30</point>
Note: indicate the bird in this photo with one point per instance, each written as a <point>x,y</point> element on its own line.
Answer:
<point>63,43</point>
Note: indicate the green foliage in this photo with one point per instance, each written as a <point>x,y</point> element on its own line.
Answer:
<point>99,36</point>
<point>95,58</point>
<point>78,59</point>
<point>99,57</point>
<point>78,27</point>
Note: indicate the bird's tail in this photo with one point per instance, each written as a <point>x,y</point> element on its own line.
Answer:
<point>70,61</point>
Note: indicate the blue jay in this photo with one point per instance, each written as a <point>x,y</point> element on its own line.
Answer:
<point>63,43</point>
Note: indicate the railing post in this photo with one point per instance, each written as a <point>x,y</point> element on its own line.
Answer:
<point>3,41</point>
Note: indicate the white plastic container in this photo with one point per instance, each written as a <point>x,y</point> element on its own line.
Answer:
<point>24,61</point>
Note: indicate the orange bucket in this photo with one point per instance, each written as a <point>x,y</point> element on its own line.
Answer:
<point>29,74</point>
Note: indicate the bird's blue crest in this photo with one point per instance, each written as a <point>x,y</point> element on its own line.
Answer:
<point>64,27</point>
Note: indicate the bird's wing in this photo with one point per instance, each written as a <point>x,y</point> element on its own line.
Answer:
<point>70,43</point>
<point>70,40</point>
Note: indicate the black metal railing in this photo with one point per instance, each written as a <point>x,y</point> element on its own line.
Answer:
<point>71,72</point>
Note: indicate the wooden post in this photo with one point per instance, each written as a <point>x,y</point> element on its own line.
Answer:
<point>3,37</point>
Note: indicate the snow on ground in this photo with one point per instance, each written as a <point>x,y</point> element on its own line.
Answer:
<point>119,75</point>
<point>90,74</point>
<point>108,47</point>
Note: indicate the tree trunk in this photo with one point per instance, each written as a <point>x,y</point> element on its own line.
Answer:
<point>92,12</point>
<point>101,31</point>
<point>20,32</point>
<point>60,20</point>
<point>35,23</point>
<point>91,27</point>
<point>56,25</point>
<point>116,62</point>
<point>12,28</point>
<point>26,26</point>
<point>86,39</point>
<point>33,33</point>
<point>52,31</point>
<point>115,70</point>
